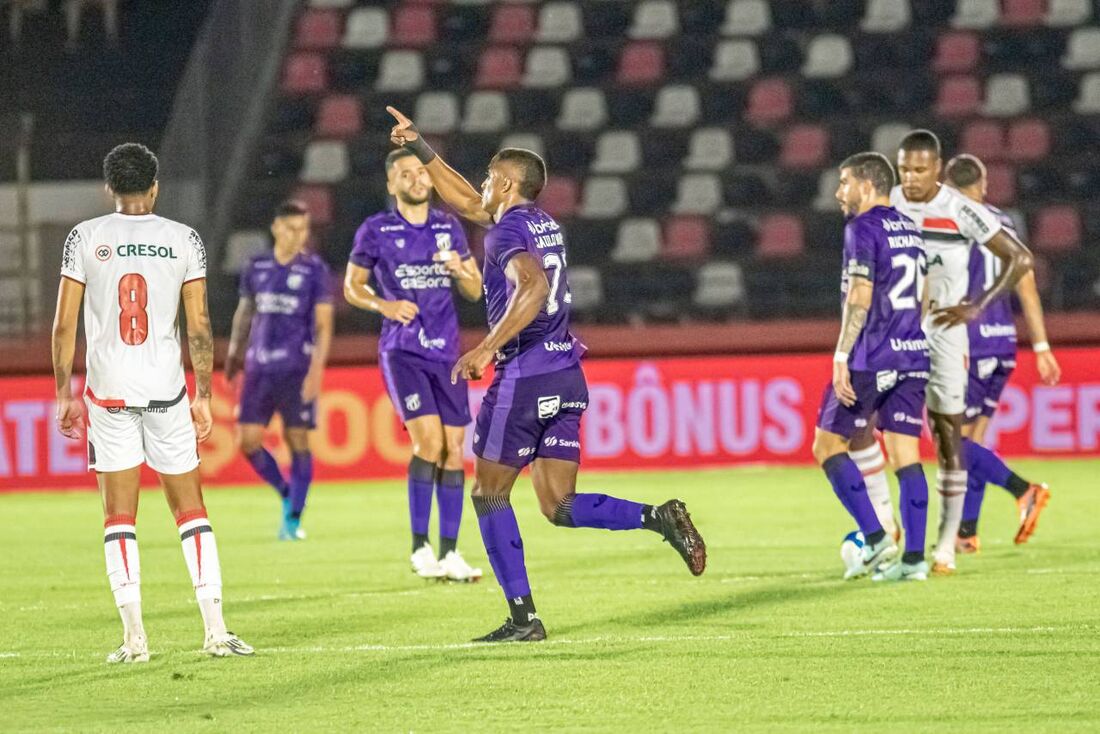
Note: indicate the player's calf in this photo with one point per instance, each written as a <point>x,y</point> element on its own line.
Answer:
<point>124,574</point>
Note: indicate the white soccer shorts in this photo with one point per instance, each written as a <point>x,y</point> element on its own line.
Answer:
<point>950,353</point>
<point>122,438</point>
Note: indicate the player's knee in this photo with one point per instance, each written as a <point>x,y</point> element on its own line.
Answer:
<point>824,448</point>
<point>297,440</point>
<point>560,513</point>
<point>429,448</point>
<point>249,444</point>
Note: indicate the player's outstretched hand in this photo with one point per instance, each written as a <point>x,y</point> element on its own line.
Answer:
<point>964,313</point>
<point>1050,372</point>
<point>401,311</point>
<point>70,418</point>
<point>842,384</point>
<point>472,364</point>
<point>200,416</point>
<point>404,131</point>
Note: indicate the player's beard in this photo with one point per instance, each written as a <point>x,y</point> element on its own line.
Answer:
<point>407,198</point>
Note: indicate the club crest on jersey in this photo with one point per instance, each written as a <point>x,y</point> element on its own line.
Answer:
<point>443,240</point>
<point>103,253</point>
<point>400,242</point>
<point>549,406</point>
<point>294,281</point>
<point>412,402</point>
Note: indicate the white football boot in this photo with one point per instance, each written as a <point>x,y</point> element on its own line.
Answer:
<point>873,557</point>
<point>425,564</point>
<point>456,569</point>
<point>225,645</point>
<point>133,650</point>
<point>902,571</point>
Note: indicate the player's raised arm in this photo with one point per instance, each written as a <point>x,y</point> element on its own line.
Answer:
<point>1049,370</point>
<point>467,276</point>
<point>238,337</point>
<point>70,294</point>
<point>200,342</point>
<point>451,185</point>
<point>856,307</point>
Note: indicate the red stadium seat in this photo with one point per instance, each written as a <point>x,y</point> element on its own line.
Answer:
<point>339,116</point>
<point>559,197</point>
<point>770,100</point>
<point>513,24</point>
<point>1057,229</point>
<point>318,199</point>
<point>686,238</point>
<point>1029,140</point>
<point>304,73</point>
<point>959,96</point>
<point>1023,12</point>
<point>641,63</point>
<point>319,29</point>
<point>413,26</point>
<point>1001,184</point>
<point>806,146</point>
<point>957,51</point>
<point>983,138</point>
<point>780,237</point>
<point>499,68</point>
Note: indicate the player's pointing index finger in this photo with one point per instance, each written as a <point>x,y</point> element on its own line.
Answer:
<point>397,115</point>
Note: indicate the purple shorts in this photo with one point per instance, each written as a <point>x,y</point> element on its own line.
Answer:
<point>987,380</point>
<point>898,399</point>
<point>525,418</point>
<point>263,393</point>
<point>420,387</point>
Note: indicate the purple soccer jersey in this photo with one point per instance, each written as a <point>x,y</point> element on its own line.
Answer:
<point>885,247</point>
<point>401,256</point>
<point>281,337</point>
<point>993,333</point>
<point>546,344</point>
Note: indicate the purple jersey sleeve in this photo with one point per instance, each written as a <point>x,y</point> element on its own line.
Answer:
<point>364,251</point>
<point>859,250</point>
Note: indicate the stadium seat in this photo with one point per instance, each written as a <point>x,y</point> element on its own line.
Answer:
<point>560,22</point>
<point>325,4</point>
<point>641,63</point>
<point>1000,184</point>
<point>1029,140</point>
<point>959,96</point>
<point>305,72</point>
<point>721,285</point>
<point>638,240</point>
<point>318,29</point>
<point>976,14</point>
<point>242,246</point>
<point>686,238</point>
<point>734,61</point>
<point>654,19</point>
<point>1088,99</point>
<point>527,141</point>
<point>1006,95</point>
<point>339,116</point>
<point>366,28</point>
<point>512,23</point>
<point>805,146</point>
<point>886,16</point>
<point>413,26</point>
<point>486,112</point>
<point>559,197</point>
<point>1022,13</point>
<point>400,71</point>
<point>1083,49</point>
<point>983,138</point>
<point>770,101</point>
<point>318,200</point>
<point>1057,229</point>
<point>326,161</point>
<point>747,18</point>
<point>436,112</point>
<point>887,137</point>
<point>698,193</point>
<point>779,237</point>
<point>617,151</point>
<point>676,106</point>
<point>709,149</point>
<point>828,56</point>
<point>499,67</point>
<point>957,51</point>
<point>827,184</point>
<point>1068,13</point>
<point>582,109</point>
<point>604,197</point>
<point>585,288</point>
<point>547,67</point>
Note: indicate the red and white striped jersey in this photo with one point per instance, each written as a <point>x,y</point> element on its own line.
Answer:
<point>133,267</point>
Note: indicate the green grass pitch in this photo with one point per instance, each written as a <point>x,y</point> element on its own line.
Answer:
<point>769,639</point>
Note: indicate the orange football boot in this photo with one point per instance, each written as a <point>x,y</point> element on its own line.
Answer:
<point>940,568</point>
<point>968,545</point>
<point>1031,505</point>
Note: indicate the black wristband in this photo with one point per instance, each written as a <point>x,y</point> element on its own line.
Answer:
<point>421,150</point>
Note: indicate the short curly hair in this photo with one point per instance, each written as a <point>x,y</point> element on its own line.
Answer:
<point>130,168</point>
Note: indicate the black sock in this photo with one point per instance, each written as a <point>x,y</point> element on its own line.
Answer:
<point>446,545</point>
<point>912,557</point>
<point>419,541</point>
<point>875,537</point>
<point>650,521</point>
<point>1017,485</point>
<point>522,609</point>
<point>968,528</point>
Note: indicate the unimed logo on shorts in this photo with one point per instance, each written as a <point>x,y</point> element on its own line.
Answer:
<point>549,406</point>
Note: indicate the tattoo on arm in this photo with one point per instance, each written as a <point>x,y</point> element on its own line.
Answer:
<point>855,318</point>
<point>200,341</point>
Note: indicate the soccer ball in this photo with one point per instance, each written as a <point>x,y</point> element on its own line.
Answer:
<point>851,550</point>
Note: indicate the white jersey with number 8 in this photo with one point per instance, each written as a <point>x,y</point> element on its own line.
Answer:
<point>133,268</point>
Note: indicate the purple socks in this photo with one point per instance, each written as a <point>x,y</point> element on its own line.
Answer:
<point>985,466</point>
<point>503,544</point>
<point>301,474</point>
<point>598,511</point>
<point>264,464</point>
<point>421,487</point>
<point>850,489</point>
<point>914,509</point>
<point>448,493</point>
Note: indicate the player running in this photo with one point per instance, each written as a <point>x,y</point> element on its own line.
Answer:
<point>416,252</point>
<point>531,414</point>
<point>285,318</point>
<point>992,360</point>
<point>880,366</point>
<point>129,269</point>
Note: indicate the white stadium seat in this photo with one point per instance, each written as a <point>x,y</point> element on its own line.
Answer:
<point>325,161</point>
<point>1006,95</point>
<point>604,197</point>
<point>698,193</point>
<point>366,28</point>
<point>677,105</point>
<point>886,16</point>
<point>617,151</point>
<point>735,61</point>
<point>486,112</point>
<point>1088,100</point>
<point>747,18</point>
<point>1083,49</point>
<point>560,22</point>
<point>527,141</point>
<point>547,67</point>
<point>585,288</point>
<point>583,109</point>
<point>828,56</point>
<point>827,182</point>
<point>1068,13</point>
<point>638,240</point>
<point>720,285</point>
<point>976,14</point>
<point>654,19</point>
<point>709,149</point>
<point>436,112</point>
<point>242,246</point>
<point>400,71</point>
<point>887,136</point>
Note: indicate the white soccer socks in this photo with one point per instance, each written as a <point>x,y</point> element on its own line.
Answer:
<point>200,552</point>
<point>952,488</point>
<point>872,464</point>
<point>124,574</point>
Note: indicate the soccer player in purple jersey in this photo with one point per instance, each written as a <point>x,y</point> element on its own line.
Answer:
<point>531,414</point>
<point>880,366</point>
<point>992,360</point>
<point>282,330</point>
<point>416,252</point>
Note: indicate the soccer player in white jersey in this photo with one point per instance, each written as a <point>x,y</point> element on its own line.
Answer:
<point>950,223</point>
<point>129,269</point>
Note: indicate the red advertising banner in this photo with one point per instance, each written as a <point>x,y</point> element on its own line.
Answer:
<point>642,414</point>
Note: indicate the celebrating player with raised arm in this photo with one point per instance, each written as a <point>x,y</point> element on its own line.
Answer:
<point>416,252</point>
<point>531,414</point>
<point>880,365</point>
<point>281,334</point>
<point>992,360</point>
<point>129,269</point>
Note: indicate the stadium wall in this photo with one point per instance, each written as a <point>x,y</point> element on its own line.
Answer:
<point>655,413</point>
